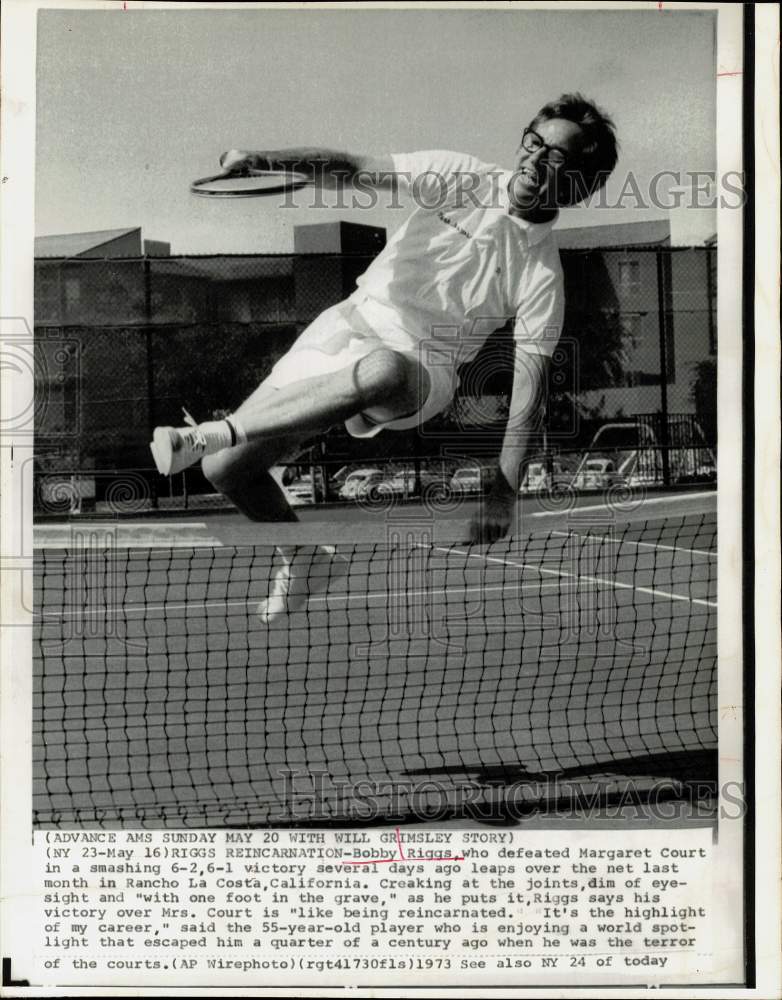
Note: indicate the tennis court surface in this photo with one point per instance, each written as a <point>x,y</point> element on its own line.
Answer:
<point>417,679</point>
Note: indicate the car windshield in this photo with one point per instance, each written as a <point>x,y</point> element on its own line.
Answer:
<point>623,437</point>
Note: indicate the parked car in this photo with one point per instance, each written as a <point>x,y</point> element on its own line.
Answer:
<point>596,473</point>
<point>398,484</point>
<point>471,479</point>
<point>300,489</point>
<point>436,485</point>
<point>430,482</point>
<point>337,479</point>
<point>704,473</point>
<point>538,477</point>
<point>360,482</point>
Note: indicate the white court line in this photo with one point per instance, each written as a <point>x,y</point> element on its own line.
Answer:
<point>125,534</point>
<point>648,545</point>
<point>149,543</point>
<point>602,581</point>
<point>120,526</point>
<point>604,506</point>
<point>381,595</point>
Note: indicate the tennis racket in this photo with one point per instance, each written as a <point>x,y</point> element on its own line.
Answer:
<point>247,182</point>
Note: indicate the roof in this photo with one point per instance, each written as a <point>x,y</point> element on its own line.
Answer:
<point>619,234</point>
<point>75,244</point>
<point>241,268</point>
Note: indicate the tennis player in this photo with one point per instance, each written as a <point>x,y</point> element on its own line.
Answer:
<point>476,250</point>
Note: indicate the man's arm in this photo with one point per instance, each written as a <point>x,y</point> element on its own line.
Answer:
<point>527,407</point>
<point>537,330</point>
<point>327,167</point>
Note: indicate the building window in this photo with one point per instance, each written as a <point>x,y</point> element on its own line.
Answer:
<point>629,275</point>
<point>47,295</point>
<point>642,351</point>
<point>631,327</point>
<point>72,292</point>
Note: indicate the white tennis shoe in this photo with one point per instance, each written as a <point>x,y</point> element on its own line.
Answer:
<point>175,449</point>
<point>299,579</point>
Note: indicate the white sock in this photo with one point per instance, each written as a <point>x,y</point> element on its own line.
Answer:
<point>241,433</point>
<point>221,434</point>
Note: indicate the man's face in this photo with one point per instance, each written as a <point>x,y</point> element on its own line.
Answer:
<point>540,180</point>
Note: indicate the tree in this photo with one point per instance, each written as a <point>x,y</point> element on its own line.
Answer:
<point>592,351</point>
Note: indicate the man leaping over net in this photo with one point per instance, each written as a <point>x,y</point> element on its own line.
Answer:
<point>476,251</point>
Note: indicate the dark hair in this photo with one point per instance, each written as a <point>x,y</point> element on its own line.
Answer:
<point>600,153</point>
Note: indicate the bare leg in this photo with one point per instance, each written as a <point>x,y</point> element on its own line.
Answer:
<point>241,474</point>
<point>277,420</point>
<point>383,378</point>
<point>385,381</point>
<point>274,421</point>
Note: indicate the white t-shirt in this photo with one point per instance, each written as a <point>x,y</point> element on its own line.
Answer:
<point>461,265</point>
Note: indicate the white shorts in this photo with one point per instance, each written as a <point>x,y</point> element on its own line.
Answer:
<point>351,330</point>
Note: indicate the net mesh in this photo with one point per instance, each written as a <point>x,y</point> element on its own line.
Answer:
<point>397,681</point>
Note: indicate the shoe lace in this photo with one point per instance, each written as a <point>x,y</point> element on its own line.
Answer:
<point>198,436</point>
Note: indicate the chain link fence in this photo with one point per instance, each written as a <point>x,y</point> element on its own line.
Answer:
<point>122,345</point>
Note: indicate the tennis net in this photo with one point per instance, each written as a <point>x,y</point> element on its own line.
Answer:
<point>416,680</point>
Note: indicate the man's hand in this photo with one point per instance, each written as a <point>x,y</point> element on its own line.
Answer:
<point>241,159</point>
<point>326,167</point>
<point>524,418</point>
<point>495,514</point>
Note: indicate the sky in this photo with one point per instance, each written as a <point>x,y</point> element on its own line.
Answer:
<point>134,104</point>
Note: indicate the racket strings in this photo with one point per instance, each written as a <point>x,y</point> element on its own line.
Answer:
<point>249,181</point>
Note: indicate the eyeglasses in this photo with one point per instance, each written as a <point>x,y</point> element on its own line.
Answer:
<point>532,142</point>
